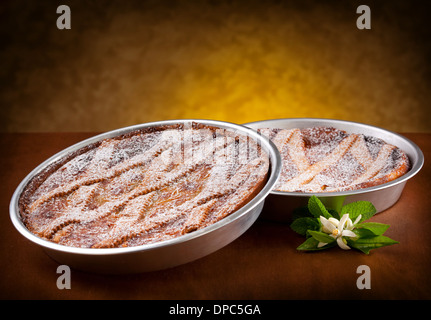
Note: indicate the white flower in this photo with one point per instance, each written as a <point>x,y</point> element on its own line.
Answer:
<point>339,229</point>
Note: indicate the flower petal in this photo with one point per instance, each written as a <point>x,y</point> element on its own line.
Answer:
<point>321,244</point>
<point>341,244</point>
<point>349,224</point>
<point>327,226</point>
<point>357,219</point>
<point>334,221</point>
<point>343,221</point>
<point>348,233</point>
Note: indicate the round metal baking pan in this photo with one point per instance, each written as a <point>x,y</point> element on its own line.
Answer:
<point>164,254</point>
<point>279,204</point>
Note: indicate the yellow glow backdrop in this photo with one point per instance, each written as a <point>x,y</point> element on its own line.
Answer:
<point>128,62</point>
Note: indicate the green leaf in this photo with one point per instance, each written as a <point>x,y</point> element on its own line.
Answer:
<point>311,245</point>
<point>354,209</point>
<point>369,234</point>
<point>363,233</point>
<point>371,228</point>
<point>367,244</point>
<point>321,236</point>
<point>301,225</point>
<point>317,208</point>
<point>334,213</point>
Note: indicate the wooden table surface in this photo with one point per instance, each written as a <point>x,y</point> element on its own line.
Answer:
<point>262,264</point>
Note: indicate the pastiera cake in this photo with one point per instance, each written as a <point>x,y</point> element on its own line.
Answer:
<point>326,159</point>
<point>145,186</point>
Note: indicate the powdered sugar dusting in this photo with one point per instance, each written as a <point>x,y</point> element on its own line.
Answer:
<point>326,159</point>
<point>146,187</point>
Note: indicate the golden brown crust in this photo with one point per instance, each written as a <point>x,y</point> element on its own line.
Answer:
<point>325,159</point>
<point>145,186</point>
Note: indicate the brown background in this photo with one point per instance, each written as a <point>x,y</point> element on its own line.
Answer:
<point>127,62</point>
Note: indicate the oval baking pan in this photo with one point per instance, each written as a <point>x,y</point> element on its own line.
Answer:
<point>163,254</point>
<point>279,204</point>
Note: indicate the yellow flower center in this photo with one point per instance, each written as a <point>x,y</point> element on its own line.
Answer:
<point>335,232</point>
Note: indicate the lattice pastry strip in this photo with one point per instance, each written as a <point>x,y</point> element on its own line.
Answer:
<point>324,159</point>
<point>145,186</point>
